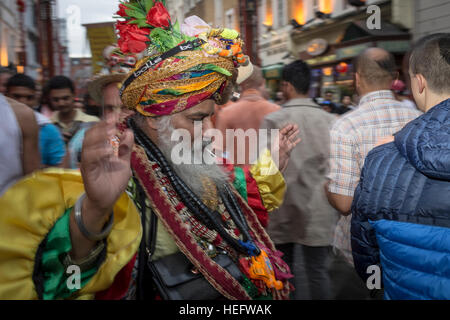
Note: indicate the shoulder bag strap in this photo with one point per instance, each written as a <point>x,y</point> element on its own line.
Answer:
<point>145,252</point>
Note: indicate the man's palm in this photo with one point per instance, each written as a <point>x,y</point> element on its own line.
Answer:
<point>287,140</point>
<point>105,175</point>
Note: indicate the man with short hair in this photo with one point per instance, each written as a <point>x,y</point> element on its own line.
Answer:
<point>60,92</point>
<point>401,208</point>
<point>303,225</point>
<point>22,88</point>
<point>352,137</point>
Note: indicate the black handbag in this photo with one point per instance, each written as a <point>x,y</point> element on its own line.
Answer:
<point>175,277</point>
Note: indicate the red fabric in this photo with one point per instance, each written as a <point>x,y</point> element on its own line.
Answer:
<point>228,167</point>
<point>120,285</point>
<point>167,108</point>
<point>254,198</point>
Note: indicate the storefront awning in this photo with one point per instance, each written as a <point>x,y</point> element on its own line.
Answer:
<point>359,29</point>
<point>273,71</point>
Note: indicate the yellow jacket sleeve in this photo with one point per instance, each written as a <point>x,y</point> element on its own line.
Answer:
<point>271,184</point>
<point>29,210</point>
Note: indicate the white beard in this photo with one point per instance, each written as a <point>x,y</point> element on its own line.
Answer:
<point>191,173</point>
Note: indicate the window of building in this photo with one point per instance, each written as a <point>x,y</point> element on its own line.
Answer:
<point>325,6</point>
<point>218,12</point>
<point>316,5</point>
<point>34,13</point>
<point>268,16</point>
<point>229,19</point>
<point>297,11</point>
<point>281,13</point>
<point>345,5</point>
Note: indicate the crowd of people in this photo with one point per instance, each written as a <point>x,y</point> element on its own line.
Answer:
<point>357,185</point>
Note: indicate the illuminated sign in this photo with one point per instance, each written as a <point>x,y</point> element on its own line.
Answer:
<point>395,46</point>
<point>327,71</point>
<point>317,47</point>
<point>352,51</point>
<point>273,72</point>
<point>325,59</point>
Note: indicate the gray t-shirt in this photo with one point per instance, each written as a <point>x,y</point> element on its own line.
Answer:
<point>11,143</point>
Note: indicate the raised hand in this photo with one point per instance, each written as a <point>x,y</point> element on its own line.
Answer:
<point>105,175</point>
<point>287,141</point>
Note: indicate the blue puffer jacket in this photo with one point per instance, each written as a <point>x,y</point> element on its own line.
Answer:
<point>401,210</point>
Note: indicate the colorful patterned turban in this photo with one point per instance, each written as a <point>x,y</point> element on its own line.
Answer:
<point>184,65</point>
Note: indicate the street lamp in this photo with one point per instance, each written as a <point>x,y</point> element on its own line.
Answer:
<point>322,15</point>
<point>295,24</point>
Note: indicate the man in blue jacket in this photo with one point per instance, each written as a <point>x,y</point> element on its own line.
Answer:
<point>401,207</point>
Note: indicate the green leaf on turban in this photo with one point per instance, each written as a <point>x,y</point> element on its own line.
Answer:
<point>135,14</point>
<point>215,68</point>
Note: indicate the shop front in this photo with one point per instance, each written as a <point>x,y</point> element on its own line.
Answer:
<point>330,48</point>
<point>333,71</point>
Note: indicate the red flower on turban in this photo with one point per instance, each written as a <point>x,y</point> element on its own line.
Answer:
<point>158,16</point>
<point>131,37</point>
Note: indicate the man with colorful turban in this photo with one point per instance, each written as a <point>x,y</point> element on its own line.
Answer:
<point>199,211</point>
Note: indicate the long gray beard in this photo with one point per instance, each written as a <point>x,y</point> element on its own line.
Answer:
<point>190,173</point>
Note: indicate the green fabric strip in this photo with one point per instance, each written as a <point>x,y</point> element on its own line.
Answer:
<point>240,183</point>
<point>56,284</point>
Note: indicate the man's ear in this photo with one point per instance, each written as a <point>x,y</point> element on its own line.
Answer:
<point>290,89</point>
<point>421,83</point>
<point>357,79</point>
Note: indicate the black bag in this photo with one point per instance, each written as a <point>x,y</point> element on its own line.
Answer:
<point>175,277</point>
